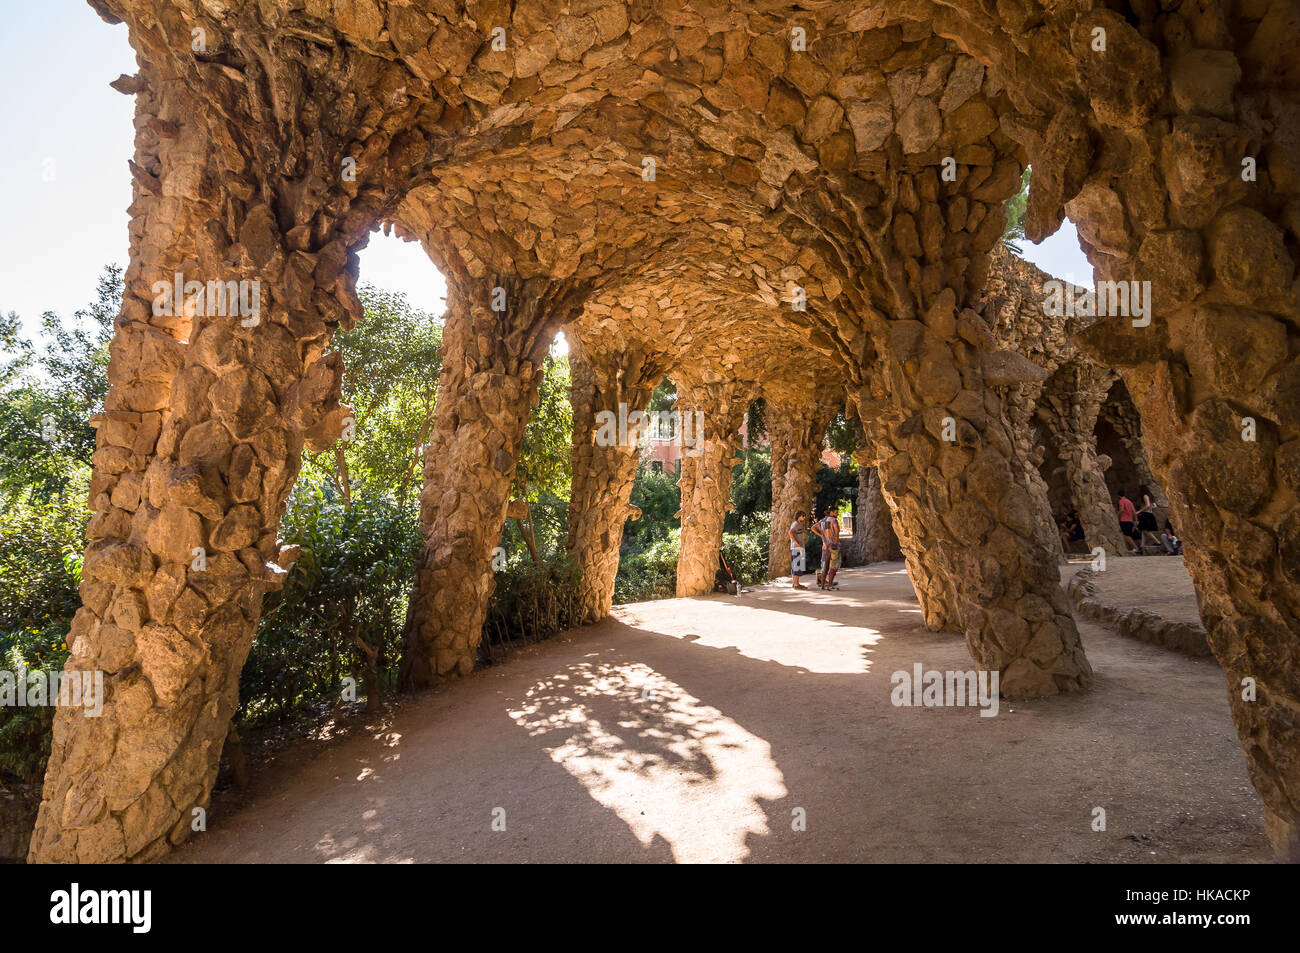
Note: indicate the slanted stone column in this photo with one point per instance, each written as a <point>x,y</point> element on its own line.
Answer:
<point>617,385</point>
<point>213,394</point>
<point>947,466</point>
<point>1077,446</point>
<point>495,340</point>
<point>1024,436</point>
<point>873,533</point>
<point>1075,402</point>
<point>934,409</point>
<point>797,428</point>
<point>706,479</point>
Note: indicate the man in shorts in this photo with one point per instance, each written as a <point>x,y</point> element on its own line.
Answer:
<point>828,528</point>
<point>798,540</point>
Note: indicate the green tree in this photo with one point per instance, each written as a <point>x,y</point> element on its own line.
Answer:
<point>543,475</point>
<point>391,365</point>
<point>1014,231</point>
<point>751,490</point>
<point>48,397</point>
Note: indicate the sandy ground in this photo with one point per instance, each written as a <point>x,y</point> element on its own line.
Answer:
<point>712,729</point>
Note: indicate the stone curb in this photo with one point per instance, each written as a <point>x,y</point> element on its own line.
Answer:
<point>1186,637</point>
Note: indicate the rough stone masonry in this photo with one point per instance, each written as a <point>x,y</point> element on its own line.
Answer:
<point>738,195</point>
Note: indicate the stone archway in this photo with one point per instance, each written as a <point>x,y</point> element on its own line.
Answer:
<point>700,172</point>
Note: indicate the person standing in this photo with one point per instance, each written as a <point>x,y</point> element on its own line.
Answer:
<point>1126,518</point>
<point>828,528</point>
<point>798,552</point>
<point>1146,517</point>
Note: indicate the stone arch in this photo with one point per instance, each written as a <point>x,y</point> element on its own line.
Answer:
<point>863,175</point>
<point>1169,146</point>
<point>1119,439</point>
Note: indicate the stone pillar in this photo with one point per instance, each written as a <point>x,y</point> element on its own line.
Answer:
<point>706,479</point>
<point>966,514</point>
<point>928,576</point>
<point>603,473</point>
<point>876,527</point>
<point>491,370</point>
<point>780,453</point>
<point>1020,403</point>
<point>797,428</point>
<point>1072,427</point>
<point>212,397</point>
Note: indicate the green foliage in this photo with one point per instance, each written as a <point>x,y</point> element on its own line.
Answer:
<point>550,523</point>
<point>1013,233</point>
<point>47,398</point>
<point>530,603</point>
<point>664,396</point>
<point>25,731</point>
<point>838,486</point>
<point>756,421</point>
<point>652,572</point>
<point>659,497</point>
<point>751,490</point>
<point>545,457</point>
<point>746,553</point>
<point>40,562</point>
<point>391,365</point>
<point>842,434</point>
<point>343,604</point>
<point>40,569</point>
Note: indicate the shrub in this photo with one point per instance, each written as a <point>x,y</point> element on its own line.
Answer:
<point>343,605</point>
<point>41,544</point>
<point>40,569</point>
<point>530,603</point>
<point>650,573</point>
<point>746,554</point>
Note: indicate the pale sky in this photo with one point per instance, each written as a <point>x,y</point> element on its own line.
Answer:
<point>67,138</point>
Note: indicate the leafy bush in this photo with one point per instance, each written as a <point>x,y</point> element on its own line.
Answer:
<point>650,573</point>
<point>40,569</point>
<point>25,732</point>
<point>343,605</point>
<point>751,490</point>
<point>659,497</point>
<point>746,554</point>
<point>530,603</point>
<point>41,544</point>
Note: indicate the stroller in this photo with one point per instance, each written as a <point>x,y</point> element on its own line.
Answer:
<point>724,580</point>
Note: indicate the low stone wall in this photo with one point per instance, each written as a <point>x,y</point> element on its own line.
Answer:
<point>1186,637</point>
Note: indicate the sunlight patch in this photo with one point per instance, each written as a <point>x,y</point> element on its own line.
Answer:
<point>669,766</point>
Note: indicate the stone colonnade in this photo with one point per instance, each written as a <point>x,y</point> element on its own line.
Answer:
<point>874,156</point>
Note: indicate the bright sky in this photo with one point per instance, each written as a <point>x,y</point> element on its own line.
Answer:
<point>67,138</point>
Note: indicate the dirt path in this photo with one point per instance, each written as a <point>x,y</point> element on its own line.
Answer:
<point>702,729</point>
